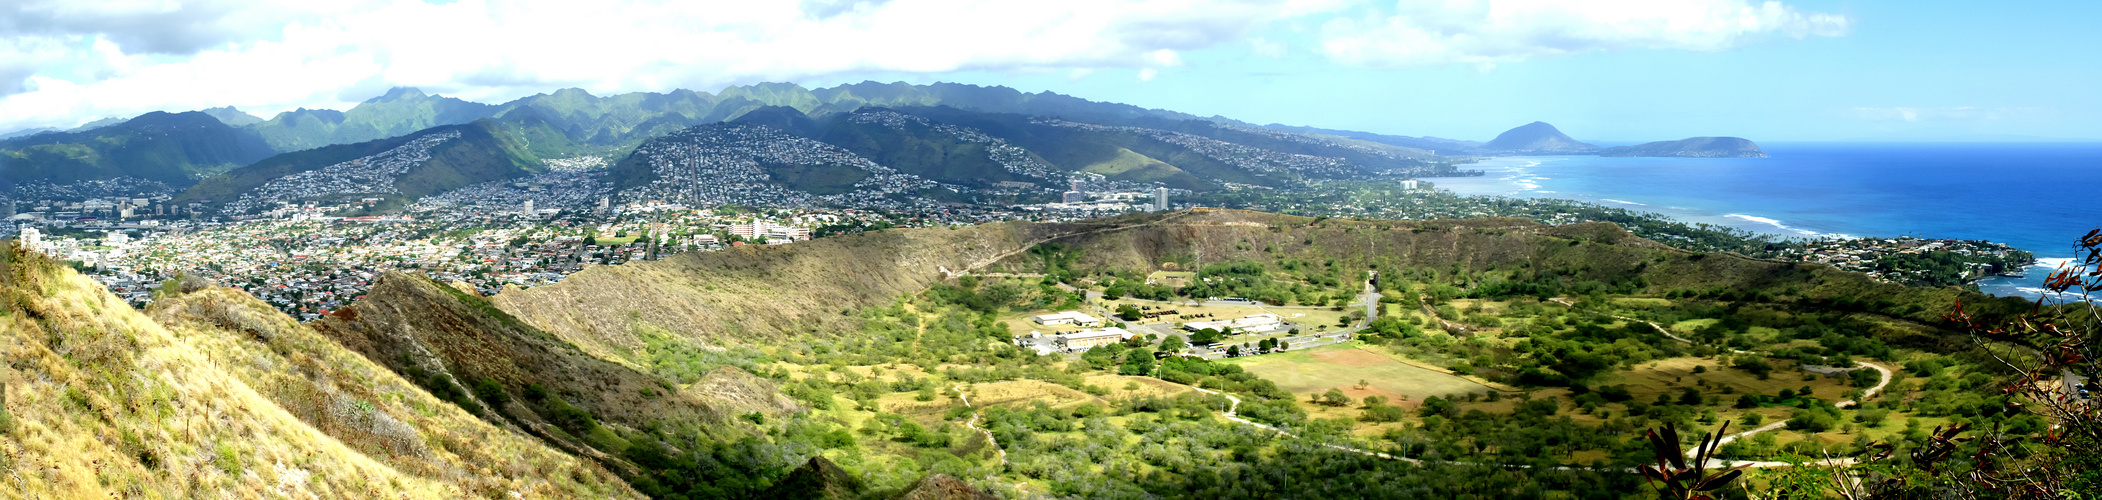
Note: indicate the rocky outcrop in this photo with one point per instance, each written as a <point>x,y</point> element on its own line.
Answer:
<point>818,478</point>
<point>943,487</point>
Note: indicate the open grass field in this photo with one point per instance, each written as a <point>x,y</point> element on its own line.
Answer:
<point>1671,376</point>
<point>1341,366</point>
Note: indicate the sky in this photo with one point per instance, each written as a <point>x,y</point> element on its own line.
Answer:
<point>1613,71</point>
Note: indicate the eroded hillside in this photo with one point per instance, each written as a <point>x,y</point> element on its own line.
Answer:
<point>217,395</point>
<point>759,295</point>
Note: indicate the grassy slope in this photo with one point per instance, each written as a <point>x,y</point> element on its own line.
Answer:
<point>1592,251</point>
<point>106,402</point>
<point>410,323</point>
<point>756,294</point>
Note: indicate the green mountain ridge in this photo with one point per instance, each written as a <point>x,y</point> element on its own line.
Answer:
<point>174,148</point>
<point>399,111</point>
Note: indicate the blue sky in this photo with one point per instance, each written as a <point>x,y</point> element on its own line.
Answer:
<point>1612,71</point>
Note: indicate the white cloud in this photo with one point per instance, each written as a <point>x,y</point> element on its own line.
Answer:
<point>498,49</point>
<point>1955,113</point>
<point>1267,48</point>
<point>1490,31</point>
<point>63,62</point>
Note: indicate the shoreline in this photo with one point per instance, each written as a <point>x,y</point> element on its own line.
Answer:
<point>1523,177</point>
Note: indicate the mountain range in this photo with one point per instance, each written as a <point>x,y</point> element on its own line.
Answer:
<point>989,139</point>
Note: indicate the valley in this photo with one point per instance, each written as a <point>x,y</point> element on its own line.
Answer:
<point>1501,357</point>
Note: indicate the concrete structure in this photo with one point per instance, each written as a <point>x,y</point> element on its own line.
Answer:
<point>1160,199</point>
<point>1066,318</point>
<point>1256,323</point>
<point>759,230</point>
<point>1075,195</point>
<point>1080,341</point>
<point>1408,184</point>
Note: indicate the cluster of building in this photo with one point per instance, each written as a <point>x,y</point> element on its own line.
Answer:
<point>1013,159</point>
<point>1254,324</point>
<point>1869,255</point>
<point>371,175</point>
<point>1073,341</point>
<point>725,165</point>
<point>34,193</point>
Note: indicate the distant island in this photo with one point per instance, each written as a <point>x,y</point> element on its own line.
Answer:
<point>1537,138</point>
<point>1540,138</point>
<point>1692,147</point>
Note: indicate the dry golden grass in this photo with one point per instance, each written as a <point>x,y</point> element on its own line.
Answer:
<point>105,403</point>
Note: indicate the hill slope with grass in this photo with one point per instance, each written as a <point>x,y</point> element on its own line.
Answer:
<point>459,346</point>
<point>765,295</point>
<point>214,394</point>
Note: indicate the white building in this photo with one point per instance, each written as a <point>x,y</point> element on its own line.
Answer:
<point>31,239</point>
<point>1409,184</point>
<point>769,230</point>
<point>1066,318</point>
<point>1256,323</point>
<point>1160,199</point>
<point>1089,339</point>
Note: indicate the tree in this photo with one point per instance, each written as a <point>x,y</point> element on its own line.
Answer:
<point>1173,343</point>
<point>1206,336</point>
<point>1335,397</point>
<point>1233,351</point>
<point>2046,343</point>
<point>1282,345</point>
<point>1129,313</point>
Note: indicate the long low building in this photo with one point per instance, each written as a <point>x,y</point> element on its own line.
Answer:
<point>1066,318</point>
<point>1089,339</point>
<point>1251,324</point>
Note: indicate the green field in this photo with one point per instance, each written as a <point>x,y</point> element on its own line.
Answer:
<point>1341,366</point>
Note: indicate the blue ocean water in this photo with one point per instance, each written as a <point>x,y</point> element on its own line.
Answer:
<point>2037,197</point>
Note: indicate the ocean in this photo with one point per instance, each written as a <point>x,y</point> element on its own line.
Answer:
<point>2037,197</point>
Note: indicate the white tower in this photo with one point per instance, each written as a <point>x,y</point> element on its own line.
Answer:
<point>1160,199</point>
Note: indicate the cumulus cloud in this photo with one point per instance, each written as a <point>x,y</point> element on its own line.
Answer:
<point>1492,31</point>
<point>497,49</point>
<point>63,61</point>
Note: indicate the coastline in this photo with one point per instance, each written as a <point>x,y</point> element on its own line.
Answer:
<point>1806,200</point>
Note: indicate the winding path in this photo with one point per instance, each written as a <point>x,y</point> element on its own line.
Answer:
<point>1884,380</point>
<point>973,422</point>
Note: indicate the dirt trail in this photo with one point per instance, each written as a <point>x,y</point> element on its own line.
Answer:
<point>973,423</point>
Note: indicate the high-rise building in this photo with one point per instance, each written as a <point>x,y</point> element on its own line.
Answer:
<point>1160,199</point>
<point>528,207</point>
<point>1075,195</point>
